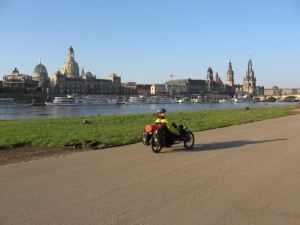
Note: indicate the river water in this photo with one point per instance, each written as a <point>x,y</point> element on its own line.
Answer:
<point>117,109</point>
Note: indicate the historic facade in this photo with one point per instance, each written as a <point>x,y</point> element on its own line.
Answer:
<point>67,81</point>
<point>18,80</point>
<point>71,68</point>
<point>212,85</point>
<point>40,75</point>
<point>192,86</point>
<point>250,81</point>
<point>71,81</point>
<point>249,87</point>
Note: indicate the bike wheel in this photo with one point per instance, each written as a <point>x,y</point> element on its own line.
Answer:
<point>189,140</point>
<point>155,147</point>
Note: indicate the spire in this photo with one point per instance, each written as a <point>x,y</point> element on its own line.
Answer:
<point>250,63</point>
<point>230,74</point>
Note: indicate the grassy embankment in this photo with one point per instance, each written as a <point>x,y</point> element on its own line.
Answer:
<point>121,129</point>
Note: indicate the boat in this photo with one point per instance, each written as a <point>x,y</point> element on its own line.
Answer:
<point>136,100</point>
<point>64,101</point>
<point>98,100</point>
<point>243,99</point>
<point>225,100</point>
<point>71,100</point>
<point>11,102</point>
<point>160,100</point>
<point>184,100</point>
<point>196,100</point>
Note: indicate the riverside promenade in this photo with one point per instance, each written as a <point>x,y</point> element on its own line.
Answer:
<point>246,174</point>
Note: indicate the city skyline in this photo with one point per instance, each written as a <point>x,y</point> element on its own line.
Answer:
<point>145,42</point>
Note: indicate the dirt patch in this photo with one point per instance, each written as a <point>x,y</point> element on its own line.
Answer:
<point>28,153</point>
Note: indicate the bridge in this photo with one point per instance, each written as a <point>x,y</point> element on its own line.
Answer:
<point>277,98</point>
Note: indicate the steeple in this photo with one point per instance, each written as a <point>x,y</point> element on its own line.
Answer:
<point>230,75</point>
<point>250,80</point>
<point>209,75</point>
<point>250,71</point>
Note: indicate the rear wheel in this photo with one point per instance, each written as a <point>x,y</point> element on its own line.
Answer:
<point>189,139</point>
<point>156,142</point>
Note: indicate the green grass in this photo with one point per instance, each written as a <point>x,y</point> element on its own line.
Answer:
<point>121,129</point>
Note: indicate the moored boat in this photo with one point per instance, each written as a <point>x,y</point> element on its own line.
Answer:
<point>243,99</point>
<point>160,99</point>
<point>70,100</point>
<point>11,102</point>
<point>135,100</point>
<point>98,100</point>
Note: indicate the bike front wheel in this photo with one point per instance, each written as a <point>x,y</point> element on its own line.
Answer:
<point>155,148</point>
<point>189,140</point>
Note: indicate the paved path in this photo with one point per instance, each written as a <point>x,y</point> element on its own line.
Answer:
<point>247,174</point>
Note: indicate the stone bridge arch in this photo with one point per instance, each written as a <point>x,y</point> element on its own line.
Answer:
<point>277,98</point>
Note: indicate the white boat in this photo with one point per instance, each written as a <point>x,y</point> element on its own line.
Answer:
<point>242,99</point>
<point>225,100</point>
<point>161,100</point>
<point>196,100</point>
<point>11,102</point>
<point>135,100</point>
<point>98,100</point>
<point>184,100</point>
<point>84,100</point>
<point>65,101</point>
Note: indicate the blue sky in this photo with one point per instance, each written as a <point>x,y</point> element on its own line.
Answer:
<point>145,41</point>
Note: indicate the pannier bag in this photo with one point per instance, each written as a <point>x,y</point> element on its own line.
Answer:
<point>146,138</point>
<point>149,129</point>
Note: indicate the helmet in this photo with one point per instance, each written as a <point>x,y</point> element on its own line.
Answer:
<point>161,110</point>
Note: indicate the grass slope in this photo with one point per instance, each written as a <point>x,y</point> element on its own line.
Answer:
<point>121,129</point>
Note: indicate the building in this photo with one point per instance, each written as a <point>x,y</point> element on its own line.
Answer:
<point>71,68</point>
<point>18,81</point>
<point>230,86</point>
<point>191,86</point>
<point>249,84</point>
<point>70,81</point>
<point>40,75</point>
<point>129,88</point>
<point>143,89</point>
<point>249,87</point>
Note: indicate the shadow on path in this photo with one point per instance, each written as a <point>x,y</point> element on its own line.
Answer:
<point>223,145</point>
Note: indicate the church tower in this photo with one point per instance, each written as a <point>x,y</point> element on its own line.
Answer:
<point>71,68</point>
<point>230,75</point>
<point>250,80</point>
<point>209,78</point>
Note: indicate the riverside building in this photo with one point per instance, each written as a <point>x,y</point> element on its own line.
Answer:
<point>67,81</point>
<point>212,85</point>
<point>71,81</point>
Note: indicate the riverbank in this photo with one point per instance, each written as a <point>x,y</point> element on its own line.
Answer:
<point>26,149</point>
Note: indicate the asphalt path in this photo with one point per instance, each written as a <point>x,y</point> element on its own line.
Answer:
<point>245,174</point>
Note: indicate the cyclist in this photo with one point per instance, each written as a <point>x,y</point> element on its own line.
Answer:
<point>171,131</point>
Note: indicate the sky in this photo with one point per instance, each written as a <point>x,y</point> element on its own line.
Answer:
<point>144,41</point>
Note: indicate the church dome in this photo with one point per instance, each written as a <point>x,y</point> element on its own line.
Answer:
<point>40,71</point>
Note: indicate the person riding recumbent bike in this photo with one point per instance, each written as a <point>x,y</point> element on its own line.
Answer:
<point>162,134</point>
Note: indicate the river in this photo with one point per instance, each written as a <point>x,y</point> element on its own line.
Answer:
<point>96,110</point>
